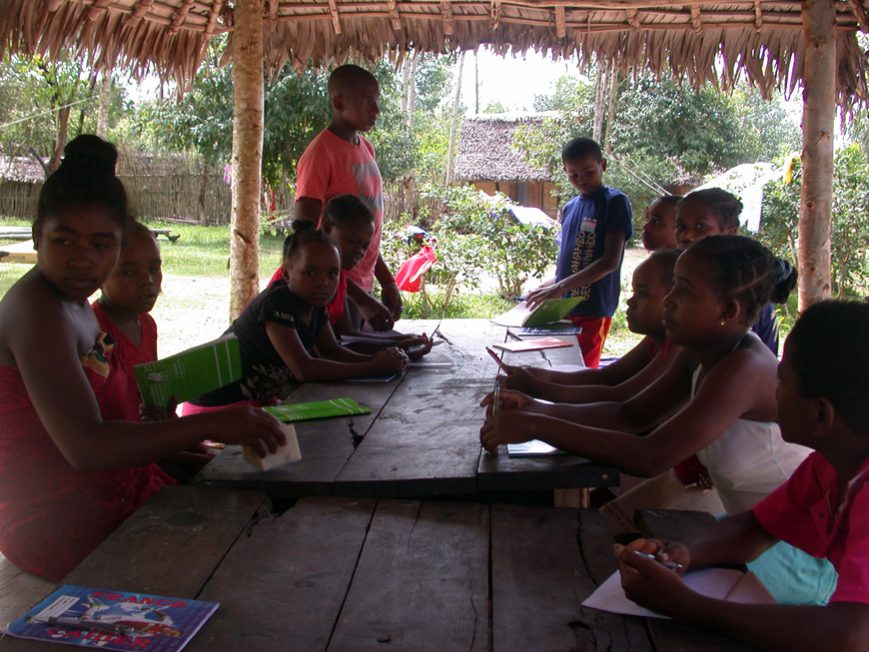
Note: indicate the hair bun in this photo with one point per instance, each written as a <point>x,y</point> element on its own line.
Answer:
<point>89,154</point>
<point>785,281</point>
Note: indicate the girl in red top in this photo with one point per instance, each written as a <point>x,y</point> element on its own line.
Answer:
<point>68,477</point>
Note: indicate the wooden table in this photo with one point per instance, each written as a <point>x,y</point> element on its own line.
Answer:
<point>421,438</point>
<point>362,574</point>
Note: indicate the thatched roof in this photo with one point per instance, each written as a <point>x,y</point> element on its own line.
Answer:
<point>700,40</point>
<point>486,150</point>
<point>23,169</point>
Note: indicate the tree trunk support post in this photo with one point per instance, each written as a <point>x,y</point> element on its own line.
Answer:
<point>819,110</point>
<point>247,147</point>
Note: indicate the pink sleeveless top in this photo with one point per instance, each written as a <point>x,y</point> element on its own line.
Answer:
<point>51,515</point>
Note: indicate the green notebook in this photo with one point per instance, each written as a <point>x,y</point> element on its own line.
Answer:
<point>336,407</point>
<point>551,310</point>
<point>190,373</point>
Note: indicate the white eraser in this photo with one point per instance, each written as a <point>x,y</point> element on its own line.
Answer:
<point>289,452</point>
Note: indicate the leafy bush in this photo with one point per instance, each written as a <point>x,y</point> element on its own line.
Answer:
<point>850,237</point>
<point>472,235</point>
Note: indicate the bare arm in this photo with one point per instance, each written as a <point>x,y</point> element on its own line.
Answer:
<point>372,311</point>
<point>308,209</point>
<point>46,354</point>
<point>630,364</point>
<point>609,262</point>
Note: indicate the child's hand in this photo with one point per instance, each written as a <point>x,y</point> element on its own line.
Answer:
<point>391,297</point>
<point>392,360</point>
<point>510,400</point>
<point>416,346</point>
<point>154,413</point>
<point>510,427</point>
<point>375,314</point>
<point>521,379</point>
<point>649,583</point>
<point>665,552</point>
<point>541,294</point>
<point>249,426</point>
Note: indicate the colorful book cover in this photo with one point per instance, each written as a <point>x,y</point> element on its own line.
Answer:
<point>551,310</point>
<point>190,373</point>
<point>538,344</point>
<point>336,407</point>
<point>113,620</point>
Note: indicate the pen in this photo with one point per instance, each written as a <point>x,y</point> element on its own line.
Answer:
<point>496,398</point>
<point>497,359</point>
<point>80,623</point>
<point>672,565</point>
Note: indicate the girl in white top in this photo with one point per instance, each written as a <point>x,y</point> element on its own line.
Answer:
<point>717,399</point>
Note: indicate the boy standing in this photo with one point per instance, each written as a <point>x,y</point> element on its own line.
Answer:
<point>594,230</point>
<point>341,161</point>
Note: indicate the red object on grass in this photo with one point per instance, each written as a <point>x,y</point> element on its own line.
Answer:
<point>411,270</point>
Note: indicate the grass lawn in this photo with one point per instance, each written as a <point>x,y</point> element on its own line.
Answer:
<point>194,306</point>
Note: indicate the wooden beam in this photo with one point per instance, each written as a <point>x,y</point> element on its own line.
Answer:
<point>819,110</point>
<point>394,18</point>
<point>247,148</point>
<point>333,13</point>
<point>758,15</point>
<point>447,17</point>
<point>860,14</point>
<point>696,23</point>
<point>496,13</point>
<point>98,8</point>
<point>560,22</point>
<point>138,13</point>
<point>180,16</point>
<point>212,19</point>
<point>633,17</point>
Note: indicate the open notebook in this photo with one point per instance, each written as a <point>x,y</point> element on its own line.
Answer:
<point>721,583</point>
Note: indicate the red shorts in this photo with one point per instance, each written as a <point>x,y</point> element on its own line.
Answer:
<point>592,337</point>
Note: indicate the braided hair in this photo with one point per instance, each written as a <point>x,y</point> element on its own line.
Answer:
<point>745,270</point>
<point>304,234</point>
<point>86,176</point>
<point>829,350</point>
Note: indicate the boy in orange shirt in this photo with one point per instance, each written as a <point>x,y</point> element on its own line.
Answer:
<point>341,161</point>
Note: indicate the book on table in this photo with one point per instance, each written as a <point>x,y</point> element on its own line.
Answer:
<point>539,344</point>
<point>551,310</point>
<point>336,407</point>
<point>721,583</point>
<point>113,620</point>
<point>190,373</point>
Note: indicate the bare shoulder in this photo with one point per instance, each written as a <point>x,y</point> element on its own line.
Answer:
<point>30,308</point>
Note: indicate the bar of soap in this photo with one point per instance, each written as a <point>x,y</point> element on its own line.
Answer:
<point>289,452</point>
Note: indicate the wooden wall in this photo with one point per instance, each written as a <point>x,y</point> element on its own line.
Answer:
<point>538,194</point>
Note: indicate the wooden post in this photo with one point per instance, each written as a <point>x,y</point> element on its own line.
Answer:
<point>819,109</point>
<point>247,148</point>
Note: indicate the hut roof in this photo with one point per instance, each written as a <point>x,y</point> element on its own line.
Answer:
<point>702,41</point>
<point>486,150</point>
<point>23,169</point>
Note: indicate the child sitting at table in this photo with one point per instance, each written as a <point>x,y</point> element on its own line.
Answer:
<point>659,229</point>
<point>350,225</point>
<point>128,295</point>
<point>284,333</point>
<point>68,477</point>
<point>716,400</point>
<point>823,403</point>
<point>634,371</point>
<point>714,211</point>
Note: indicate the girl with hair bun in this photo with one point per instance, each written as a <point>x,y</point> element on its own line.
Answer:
<point>716,400</point>
<point>67,477</point>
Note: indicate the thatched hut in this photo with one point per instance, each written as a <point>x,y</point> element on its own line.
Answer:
<point>487,157</point>
<point>783,44</point>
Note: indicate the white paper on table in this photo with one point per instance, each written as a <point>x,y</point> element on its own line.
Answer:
<point>720,583</point>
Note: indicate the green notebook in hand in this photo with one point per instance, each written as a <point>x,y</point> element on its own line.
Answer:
<point>190,373</point>
<point>336,407</point>
<point>551,310</point>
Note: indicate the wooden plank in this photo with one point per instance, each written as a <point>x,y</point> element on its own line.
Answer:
<point>281,588</point>
<point>501,472</point>
<point>537,581</point>
<point>611,631</point>
<point>21,252</point>
<point>421,582</point>
<point>326,445</point>
<point>424,443</point>
<point>19,591</point>
<point>170,546</point>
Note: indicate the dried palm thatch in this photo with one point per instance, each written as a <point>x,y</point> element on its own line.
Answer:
<point>700,41</point>
<point>486,150</point>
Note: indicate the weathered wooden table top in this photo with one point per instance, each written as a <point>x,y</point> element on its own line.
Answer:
<point>422,436</point>
<point>337,573</point>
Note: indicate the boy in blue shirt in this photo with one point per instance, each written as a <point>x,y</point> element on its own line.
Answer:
<point>595,227</point>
